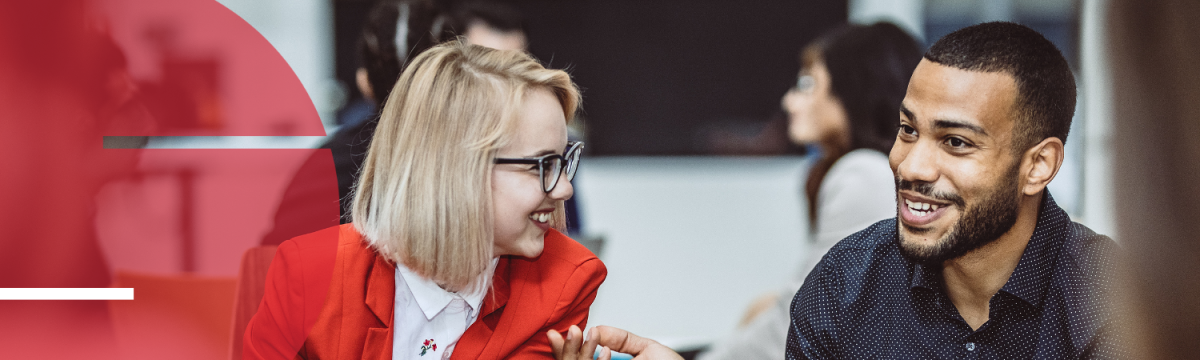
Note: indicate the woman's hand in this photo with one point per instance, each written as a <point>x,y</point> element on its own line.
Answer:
<point>607,338</point>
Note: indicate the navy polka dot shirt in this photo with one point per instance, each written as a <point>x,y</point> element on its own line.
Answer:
<point>866,301</point>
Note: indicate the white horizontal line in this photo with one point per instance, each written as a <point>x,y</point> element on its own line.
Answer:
<point>66,293</point>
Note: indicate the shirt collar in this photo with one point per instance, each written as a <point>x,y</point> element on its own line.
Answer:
<point>1032,275</point>
<point>432,299</point>
<point>924,278</point>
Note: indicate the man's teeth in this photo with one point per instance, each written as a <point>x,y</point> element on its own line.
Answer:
<point>540,217</point>
<point>920,208</point>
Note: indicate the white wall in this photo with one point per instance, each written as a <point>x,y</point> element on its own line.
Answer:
<point>908,14</point>
<point>1095,87</point>
<point>690,241</point>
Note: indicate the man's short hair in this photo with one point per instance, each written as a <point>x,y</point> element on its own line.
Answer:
<point>1045,85</point>
<point>499,16</point>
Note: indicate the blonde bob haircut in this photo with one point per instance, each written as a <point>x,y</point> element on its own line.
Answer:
<point>424,196</point>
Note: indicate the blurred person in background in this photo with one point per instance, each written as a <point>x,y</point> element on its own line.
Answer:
<point>844,104</point>
<point>454,251</point>
<point>394,31</point>
<point>491,24</point>
<point>1155,104</point>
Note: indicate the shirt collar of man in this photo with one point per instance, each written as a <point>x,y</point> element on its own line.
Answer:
<point>1030,279</point>
<point>432,299</point>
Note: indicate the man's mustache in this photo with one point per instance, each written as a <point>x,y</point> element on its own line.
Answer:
<point>926,189</point>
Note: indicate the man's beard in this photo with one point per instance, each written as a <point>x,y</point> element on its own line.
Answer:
<point>980,224</point>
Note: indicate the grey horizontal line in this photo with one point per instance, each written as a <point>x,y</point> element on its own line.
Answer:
<point>212,142</point>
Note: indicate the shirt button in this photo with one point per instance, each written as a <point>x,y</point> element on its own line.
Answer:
<point>970,346</point>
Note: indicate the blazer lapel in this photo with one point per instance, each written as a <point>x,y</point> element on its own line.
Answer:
<point>481,334</point>
<point>380,298</point>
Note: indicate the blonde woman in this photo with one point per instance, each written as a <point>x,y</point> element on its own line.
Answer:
<point>453,252</point>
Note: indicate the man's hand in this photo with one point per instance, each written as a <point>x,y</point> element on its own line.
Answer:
<point>609,339</point>
<point>571,349</point>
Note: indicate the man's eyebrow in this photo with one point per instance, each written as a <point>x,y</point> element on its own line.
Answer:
<point>945,124</point>
<point>955,124</point>
<point>907,113</point>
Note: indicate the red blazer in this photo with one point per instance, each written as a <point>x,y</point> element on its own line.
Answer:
<point>329,296</point>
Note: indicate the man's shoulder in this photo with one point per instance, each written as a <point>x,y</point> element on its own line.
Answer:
<point>1086,280</point>
<point>851,272</point>
<point>1088,261</point>
<point>1088,247</point>
<point>854,255</point>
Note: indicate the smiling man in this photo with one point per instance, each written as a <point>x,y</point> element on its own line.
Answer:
<point>980,262</point>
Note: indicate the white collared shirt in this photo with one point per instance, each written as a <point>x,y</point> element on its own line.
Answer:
<point>428,319</point>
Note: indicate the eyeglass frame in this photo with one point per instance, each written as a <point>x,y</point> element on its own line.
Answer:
<point>573,147</point>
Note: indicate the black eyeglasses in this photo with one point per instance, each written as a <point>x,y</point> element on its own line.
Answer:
<point>551,167</point>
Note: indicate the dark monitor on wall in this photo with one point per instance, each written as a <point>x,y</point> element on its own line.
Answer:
<point>666,77</point>
<point>670,77</point>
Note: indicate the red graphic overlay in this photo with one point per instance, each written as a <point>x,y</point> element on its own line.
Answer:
<point>178,226</point>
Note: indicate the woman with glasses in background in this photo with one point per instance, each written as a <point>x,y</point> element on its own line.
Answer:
<point>846,106</point>
<point>454,250</point>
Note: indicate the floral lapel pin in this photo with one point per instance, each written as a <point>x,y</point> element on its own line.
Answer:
<point>429,345</point>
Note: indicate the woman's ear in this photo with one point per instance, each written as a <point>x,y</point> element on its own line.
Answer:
<point>1040,164</point>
